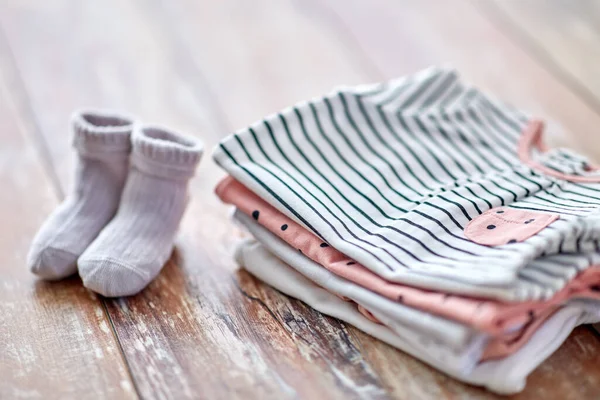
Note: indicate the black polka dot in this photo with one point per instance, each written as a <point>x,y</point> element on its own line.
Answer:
<point>255,214</point>
<point>324,245</point>
<point>491,226</point>
<point>531,314</point>
<point>500,212</point>
<point>530,220</point>
<point>284,227</point>
<point>350,263</point>
<point>400,299</point>
<point>512,241</point>
<point>595,288</point>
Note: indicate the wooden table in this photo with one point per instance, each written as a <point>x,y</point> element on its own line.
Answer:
<point>203,329</point>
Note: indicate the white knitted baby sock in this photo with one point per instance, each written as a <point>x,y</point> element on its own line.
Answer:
<point>135,245</point>
<point>103,144</point>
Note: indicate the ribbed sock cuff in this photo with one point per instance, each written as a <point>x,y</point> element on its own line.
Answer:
<point>161,152</point>
<point>100,131</point>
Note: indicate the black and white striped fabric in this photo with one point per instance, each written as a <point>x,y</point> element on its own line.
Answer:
<point>390,174</point>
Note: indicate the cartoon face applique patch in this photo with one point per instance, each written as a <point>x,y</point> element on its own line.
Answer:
<point>505,225</point>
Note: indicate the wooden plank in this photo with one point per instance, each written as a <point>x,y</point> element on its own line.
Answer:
<point>74,58</point>
<point>250,342</point>
<point>55,338</point>
<point>398,39</point>
<point>267,57</point>
<point>564,35</point>
<point>199,330</point>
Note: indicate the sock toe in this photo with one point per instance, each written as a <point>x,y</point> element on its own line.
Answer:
<point>52,264</point>
<point>112,278</point>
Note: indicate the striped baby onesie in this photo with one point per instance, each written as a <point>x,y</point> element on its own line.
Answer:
<point>427,181</point>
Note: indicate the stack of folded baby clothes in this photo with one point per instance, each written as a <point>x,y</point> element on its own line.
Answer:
<point>427,214</point>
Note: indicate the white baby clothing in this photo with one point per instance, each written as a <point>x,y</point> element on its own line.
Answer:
<point>504,376</point>
<point>436,329</point>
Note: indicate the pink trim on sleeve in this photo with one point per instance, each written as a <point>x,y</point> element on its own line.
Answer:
<point>532,138</point>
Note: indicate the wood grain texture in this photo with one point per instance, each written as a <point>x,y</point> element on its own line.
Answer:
<point>563,35</point>
<point>55,339</point>
<point>96,54</point>
<point>203,329</point>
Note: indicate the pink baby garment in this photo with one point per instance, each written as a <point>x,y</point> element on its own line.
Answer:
<point>490,316</point>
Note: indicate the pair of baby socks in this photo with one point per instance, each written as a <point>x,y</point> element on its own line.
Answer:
<point>118,225</point>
